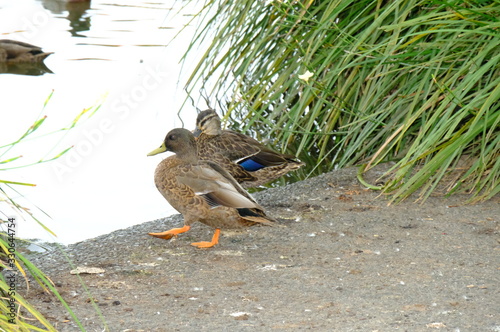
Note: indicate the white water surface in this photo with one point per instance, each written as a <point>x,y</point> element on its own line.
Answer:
<point>107,53</point>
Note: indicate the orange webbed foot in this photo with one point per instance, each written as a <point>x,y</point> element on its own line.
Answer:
<point>206,244</point>
<point>167,235</point>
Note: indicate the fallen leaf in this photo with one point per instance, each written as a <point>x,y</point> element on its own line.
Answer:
<point>87,270</point>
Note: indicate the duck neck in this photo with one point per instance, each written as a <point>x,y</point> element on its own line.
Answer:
<point>189,156</point>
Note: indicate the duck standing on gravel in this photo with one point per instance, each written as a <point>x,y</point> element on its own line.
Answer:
<point>247,160</point>
<point>202,190</point>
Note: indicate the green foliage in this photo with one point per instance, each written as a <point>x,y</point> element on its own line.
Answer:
<point>13,162</point>
<point>412,81</point>
<point>8,323</point>
<point>10,259</point>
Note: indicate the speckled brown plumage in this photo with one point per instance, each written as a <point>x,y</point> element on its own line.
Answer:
<point>202,190</point>
<point>12,51</point>
<point>233,151</point>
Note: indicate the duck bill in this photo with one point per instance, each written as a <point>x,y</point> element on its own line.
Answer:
<point>161,149</point>
<point>197,132</point>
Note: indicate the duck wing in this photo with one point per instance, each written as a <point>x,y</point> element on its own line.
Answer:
<point>216,186</point>
<point>251,154</point>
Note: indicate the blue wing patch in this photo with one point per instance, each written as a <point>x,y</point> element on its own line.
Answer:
<point>250,166</point>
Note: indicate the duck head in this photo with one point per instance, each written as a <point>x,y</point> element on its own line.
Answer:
<point>208,122</point>
<point>179,141</point>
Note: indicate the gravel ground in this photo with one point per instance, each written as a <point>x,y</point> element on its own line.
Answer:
<point>340,259</point>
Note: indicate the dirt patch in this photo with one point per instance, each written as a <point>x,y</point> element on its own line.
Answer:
<point>339,260</point>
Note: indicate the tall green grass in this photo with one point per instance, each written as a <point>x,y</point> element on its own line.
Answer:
<point>27,317</point>
<point>415,82</point>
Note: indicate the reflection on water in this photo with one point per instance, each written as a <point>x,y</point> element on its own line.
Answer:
<point>74,12</point>
<point>27,68</point>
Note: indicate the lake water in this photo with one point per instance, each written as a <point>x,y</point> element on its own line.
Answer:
<point>106,53</point>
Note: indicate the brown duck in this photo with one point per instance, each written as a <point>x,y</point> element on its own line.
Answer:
<point>202,190</point>
<point>12,51</point>
<point>248,161</point>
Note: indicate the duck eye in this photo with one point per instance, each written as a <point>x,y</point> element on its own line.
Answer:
<point>172,137</point>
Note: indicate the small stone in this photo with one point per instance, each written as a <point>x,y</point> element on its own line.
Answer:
<point>435,325</point>
<point>240,315</point>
